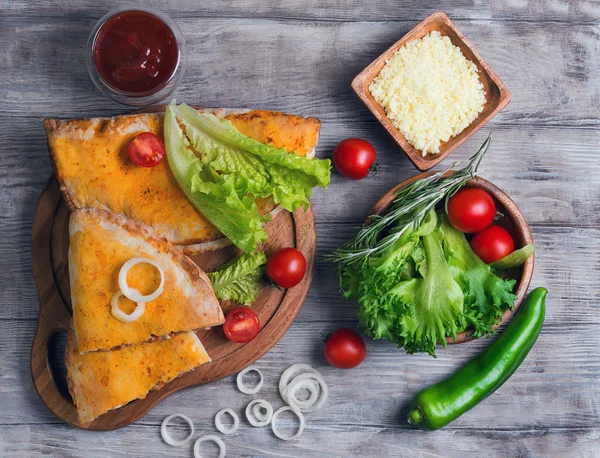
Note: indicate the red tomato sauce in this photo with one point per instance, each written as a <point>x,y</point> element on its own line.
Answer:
<point>135,52</point>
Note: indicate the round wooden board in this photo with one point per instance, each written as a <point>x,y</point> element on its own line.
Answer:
<point>276,309</point>
<point>512,220</point>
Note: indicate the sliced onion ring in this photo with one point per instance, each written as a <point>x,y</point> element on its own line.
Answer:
<point>212,438</point>
<point>167,437</point>
<point>300,426</point>
<point>317,387</point>
<point>120,314</point>
<point>244,388</point>
<point>227,429</point>
<point>259,415</point>
<point>292,372</point>
<point>304,383</point>
<point>132,293</point>
<point>255,416</point>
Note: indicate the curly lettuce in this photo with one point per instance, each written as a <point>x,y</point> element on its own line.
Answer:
<point>427,287</point>
<point>486,295</point>
<point>379,273</point>
<point>239,280</point>
<point>222,171</point>
<point>419,312</point>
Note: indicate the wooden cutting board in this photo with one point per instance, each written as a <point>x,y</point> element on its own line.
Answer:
<point>276,308</point>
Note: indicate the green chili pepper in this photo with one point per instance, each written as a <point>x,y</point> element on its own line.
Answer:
<point>436,406</point>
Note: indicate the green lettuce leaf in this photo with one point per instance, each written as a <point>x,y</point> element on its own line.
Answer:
<point>486,295</point>
<point>239,280</point>
<point>419,312</point>
<point>378,274</point>
<point>428,286</point>
<point>222,199</point>
<point>222,171</point>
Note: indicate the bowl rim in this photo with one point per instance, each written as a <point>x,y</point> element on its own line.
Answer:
<point>151,96</point>
<point>522,232</point>
<point>361,82</point>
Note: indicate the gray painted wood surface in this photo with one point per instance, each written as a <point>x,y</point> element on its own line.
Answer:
<point>300,57</point>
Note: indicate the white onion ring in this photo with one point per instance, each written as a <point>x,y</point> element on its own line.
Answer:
<point>300,427</point>
<point>213,438</point>
<point>255,416</point>
<point>120,314</point>
<point>133,294</point>
<point>291,372</point>
<point>303,383</point>
<point>244,388</point>
<point>317,387</point>
<point>167,437</point>
<point>225,429</point>
<point>256,411</point>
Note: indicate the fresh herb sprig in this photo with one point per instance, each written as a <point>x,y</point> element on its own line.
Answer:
<point>408,210</point>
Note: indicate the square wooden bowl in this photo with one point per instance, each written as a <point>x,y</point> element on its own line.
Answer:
<point>497,96</point>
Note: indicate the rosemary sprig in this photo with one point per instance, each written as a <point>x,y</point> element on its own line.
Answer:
<point>409,209</point>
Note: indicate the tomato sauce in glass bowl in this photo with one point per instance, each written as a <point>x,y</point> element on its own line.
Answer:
<point>136,56</point>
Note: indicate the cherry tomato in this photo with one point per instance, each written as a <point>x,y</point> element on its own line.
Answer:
<point>471,210</point>
<point>241,325</point>
<point>286,267</point>
<point>146,150</point>
<point>353,157</point>
<point>492,244</point>
<point>345,349</point>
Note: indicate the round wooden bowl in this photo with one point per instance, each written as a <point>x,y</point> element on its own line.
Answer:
<point>513,221</point>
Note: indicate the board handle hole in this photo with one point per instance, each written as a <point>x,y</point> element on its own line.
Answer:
<point>57,347</point>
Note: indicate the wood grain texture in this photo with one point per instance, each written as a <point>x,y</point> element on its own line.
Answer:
<point>300,58</point>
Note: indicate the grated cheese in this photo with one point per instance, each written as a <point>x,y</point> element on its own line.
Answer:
<point>430,91</point>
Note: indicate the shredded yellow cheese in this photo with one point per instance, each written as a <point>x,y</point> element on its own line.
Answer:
<point>430,91</point>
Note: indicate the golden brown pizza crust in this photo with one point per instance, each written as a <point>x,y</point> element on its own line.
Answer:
<point>138,229</point>
<point>93,170</point>
<point>51,126</point>
<point>290,132</point>
<point>104,381</point>
<point>101,242</point>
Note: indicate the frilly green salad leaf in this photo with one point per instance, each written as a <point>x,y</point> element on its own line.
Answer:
<point>415,277</point>
<point>239,280</point>
<point>486,295</point>
<point>418,311</point>
<point>435,302</point>
<point>222,171</point>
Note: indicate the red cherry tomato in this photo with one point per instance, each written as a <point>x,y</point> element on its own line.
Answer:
<point>286,267</point>
<point>471,210</point>
<point>241,325</point>
<point>345,349</point>
<point>146,150</point>
<point>492,244</point>
<point>353,157</point>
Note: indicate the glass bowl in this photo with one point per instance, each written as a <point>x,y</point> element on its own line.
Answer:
<point>138,99</point>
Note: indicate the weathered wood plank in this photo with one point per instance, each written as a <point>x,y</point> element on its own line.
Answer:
<point>302,66</point>
<point>552,173</point>
<point>549,404</point>
<point>406,11</point>
<point>552,389</point>
<point>280,54</point>
<point>542,184</point>
<point>571,280</point>
<point>333,441</point>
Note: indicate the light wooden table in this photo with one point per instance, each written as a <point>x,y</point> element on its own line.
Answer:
<point>300,57</point>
